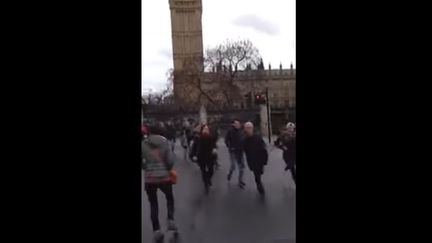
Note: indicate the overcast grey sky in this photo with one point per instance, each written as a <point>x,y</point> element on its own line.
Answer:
<point>269,24</point>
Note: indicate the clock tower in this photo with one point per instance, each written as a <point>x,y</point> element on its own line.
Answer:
<point>187,41</point>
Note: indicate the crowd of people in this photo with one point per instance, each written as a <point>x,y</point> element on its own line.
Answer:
<point>199,142</point>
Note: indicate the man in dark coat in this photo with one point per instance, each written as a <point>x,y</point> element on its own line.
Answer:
<point>256,154</point>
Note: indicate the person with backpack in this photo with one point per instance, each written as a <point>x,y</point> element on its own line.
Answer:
<point>256,154</point>
<point>233,141</point>
<point>206,155</point>
<point>158,162</point>
<point>287,142</point>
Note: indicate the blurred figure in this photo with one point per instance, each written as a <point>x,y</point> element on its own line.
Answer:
<point>233,141</point>
<point>163,130</point>
<point>144,131</point>
<point>186,135</point>
<point>215,131</point>
<point>287,142</point>
<point>171,134</point>
<point>191,128</point>
<point>158,161</point>
<point>196,133</point>
<point>256,154</point>
<point>206,155</point>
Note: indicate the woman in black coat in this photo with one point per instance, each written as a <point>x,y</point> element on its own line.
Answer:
<point>206,155</point>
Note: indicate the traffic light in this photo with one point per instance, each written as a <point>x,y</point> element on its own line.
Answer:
<point>259,99</point>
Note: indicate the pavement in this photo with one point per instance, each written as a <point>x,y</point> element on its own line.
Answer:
<point>229,214</point>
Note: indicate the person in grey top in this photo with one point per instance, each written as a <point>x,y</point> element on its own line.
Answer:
<point>158,160</point>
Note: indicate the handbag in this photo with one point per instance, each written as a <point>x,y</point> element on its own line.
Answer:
<point>173,176</point>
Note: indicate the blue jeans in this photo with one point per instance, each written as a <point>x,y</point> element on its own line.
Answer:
<point>237,158</point>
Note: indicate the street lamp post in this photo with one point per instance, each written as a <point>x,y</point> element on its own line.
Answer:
<point>268,115</point>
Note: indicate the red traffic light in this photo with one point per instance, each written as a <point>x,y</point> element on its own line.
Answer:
<point>259,99</point>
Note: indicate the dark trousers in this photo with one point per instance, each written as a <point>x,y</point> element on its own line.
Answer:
<point>293,173</point>
<point>151,190</point>
<point>207,169</point>
<point>290,162</point>
<point>257,175</point>
<point>172,141</point>
<point>291,168</point>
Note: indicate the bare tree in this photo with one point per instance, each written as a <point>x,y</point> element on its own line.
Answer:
<point>190,82</point>
<point>170,82</point>
<point>228,59</point>
<point>164,96</point>
<point>211,82</point>
<point>167,94</point>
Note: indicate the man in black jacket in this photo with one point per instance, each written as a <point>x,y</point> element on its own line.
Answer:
<point>233,141</point>
<point>256,154</point>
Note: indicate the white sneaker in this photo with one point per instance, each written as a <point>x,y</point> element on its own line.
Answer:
<point>171,225</point>
<point>158,236</point>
